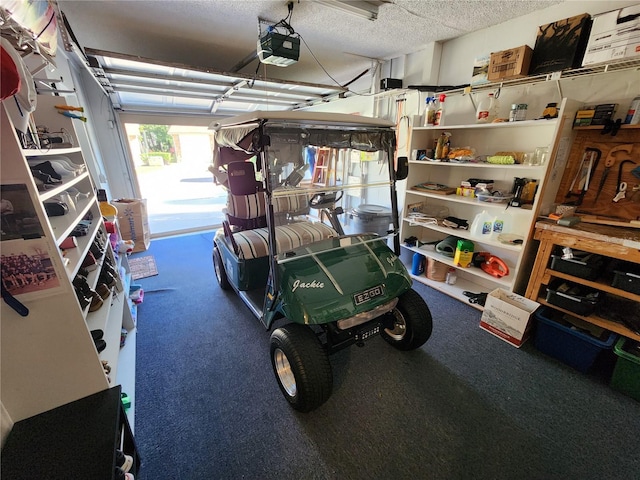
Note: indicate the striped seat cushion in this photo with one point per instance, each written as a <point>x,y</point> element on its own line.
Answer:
<point>255,243</point>
<point>246,206</point>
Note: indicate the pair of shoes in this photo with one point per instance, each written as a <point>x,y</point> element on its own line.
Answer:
<point>87,296</point>
<point>90,263</point>
<point>45,178</point>
<point>105,366</point>
<point>55,209</point>
<point>107,278</point>
<point>96,336</point>
<point>96,249</point>
<point>77,194</point>
<point>107,369</point>
<point>80,230</point>
<point>45,168</point>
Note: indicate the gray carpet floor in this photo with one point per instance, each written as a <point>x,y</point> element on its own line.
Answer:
<point>464,406</point>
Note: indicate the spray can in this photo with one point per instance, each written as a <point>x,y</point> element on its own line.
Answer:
<point>633,115</point>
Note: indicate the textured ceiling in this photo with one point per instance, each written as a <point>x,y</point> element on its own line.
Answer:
<point>219,34</point>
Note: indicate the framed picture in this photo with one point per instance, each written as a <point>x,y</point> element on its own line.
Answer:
<point>28,271</point>
<point>18,214</point>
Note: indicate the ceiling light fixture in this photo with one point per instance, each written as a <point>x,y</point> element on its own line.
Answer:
<point>367,9</point>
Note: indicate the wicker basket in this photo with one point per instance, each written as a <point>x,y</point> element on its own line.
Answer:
<point>436,270</point>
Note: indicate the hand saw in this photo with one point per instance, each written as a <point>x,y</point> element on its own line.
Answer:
<point>588,164</point>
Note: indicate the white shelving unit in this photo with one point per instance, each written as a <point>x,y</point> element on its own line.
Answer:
<point>486,139</point>
<point>48,357</point>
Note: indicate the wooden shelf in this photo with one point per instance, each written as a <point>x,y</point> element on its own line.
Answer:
<point>600,127</point>
<point>595,320</point>
<point>482,278</point>
<point>598,239</point>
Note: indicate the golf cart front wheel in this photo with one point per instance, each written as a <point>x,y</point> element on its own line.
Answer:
<point>411,322</point>
<point>301,366</point>
<point>218,266</point>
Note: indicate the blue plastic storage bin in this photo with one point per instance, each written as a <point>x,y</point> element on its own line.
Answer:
<point>575,348</point>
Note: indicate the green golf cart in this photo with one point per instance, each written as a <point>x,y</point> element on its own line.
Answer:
<point>300,246</point>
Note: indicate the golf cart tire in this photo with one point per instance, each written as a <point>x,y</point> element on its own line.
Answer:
<point>301,366</point>
<point>412,322</point>
<point>221,273</point>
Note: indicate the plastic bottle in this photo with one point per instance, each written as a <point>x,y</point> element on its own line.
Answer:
<point>106,209</point>
<point>442,146</point>
<point>501,223</point>
<point>451,276</point>
<point>429,111</point>
<point>439,119</point>
<point>482,225</point>
<point>487,110</point>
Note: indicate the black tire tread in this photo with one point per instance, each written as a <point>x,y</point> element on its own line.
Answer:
<point>418,318</point>
<point>223,280</point>
<point>309,362</point>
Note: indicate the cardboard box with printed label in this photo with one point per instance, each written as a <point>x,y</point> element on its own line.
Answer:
<point>133,222</point>
<point>507,315</point>
<point>614,36</point>
<point>512,63</point>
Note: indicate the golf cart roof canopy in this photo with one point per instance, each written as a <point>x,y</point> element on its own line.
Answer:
<point>238,138</point>
<point>303,119</point>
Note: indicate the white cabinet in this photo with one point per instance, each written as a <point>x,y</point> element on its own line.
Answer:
<point>49,357</point>
<point>486,139</point>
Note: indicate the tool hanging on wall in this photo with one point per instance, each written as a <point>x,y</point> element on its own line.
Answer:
<point>587,167</point>
<point>622,186</point>
<point>610,162</point>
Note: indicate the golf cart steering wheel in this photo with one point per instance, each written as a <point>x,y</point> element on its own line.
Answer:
<point>325,199</point>
<point>295,177</point>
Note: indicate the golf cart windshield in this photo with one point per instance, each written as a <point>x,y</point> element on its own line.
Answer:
<point>329,168</point>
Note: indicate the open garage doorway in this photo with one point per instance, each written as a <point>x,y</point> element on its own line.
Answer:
<point>171,164</point>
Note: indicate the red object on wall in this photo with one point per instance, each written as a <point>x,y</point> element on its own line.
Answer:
<point>9,76</point>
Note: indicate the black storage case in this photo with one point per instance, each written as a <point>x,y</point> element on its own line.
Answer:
<point>576,301</point>
<point>588,268</point>
<point>627,281</point>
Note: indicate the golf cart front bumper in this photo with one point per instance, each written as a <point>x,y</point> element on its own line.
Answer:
<point>359,328</point>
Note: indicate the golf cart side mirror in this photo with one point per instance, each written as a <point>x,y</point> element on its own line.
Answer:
<point>402,170</point>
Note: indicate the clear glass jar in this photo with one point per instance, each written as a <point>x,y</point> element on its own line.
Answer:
<point>521,113</point>
<point>513,113</point>
<point>518,112</point>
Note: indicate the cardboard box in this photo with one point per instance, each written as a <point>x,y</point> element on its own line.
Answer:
<point>614,36</point>
<point>560,45</point>
<point>507,316</point>
<point>134,222</point>
<point>512,63</point>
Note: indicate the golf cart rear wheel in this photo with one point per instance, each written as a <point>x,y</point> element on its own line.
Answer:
<point>412,322</point>
<point>301,365</point>
<point>218,266</point>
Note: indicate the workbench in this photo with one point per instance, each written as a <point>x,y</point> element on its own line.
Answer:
<point>613,242</point>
